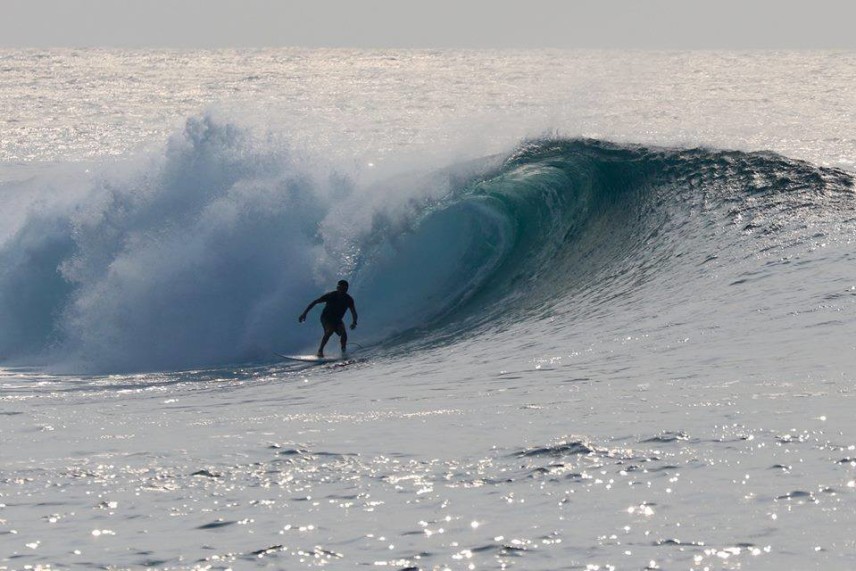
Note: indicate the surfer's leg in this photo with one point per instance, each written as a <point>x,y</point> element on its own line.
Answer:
<point>323,342</point>
<point>328,332</point>
<point>343,336</point>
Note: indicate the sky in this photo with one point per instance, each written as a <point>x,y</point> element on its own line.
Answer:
<point>645,24</point>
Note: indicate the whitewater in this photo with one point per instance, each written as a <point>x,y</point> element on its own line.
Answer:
<point>607,309</point>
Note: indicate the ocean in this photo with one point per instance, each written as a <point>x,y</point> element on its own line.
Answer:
<point>607,309</point>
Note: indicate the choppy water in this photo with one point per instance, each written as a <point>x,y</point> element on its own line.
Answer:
<point>606,300</point>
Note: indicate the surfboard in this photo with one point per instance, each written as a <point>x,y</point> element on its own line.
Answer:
<point>312,358</point>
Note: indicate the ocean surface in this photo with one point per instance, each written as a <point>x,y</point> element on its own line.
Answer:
<point>607,309</point>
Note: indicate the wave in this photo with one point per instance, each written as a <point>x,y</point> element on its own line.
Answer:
<point>206,253</point>
<point>585,224</point>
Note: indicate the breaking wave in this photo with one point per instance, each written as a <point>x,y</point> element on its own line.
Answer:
<point>205,254</point>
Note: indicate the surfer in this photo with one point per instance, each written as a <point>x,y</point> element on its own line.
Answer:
<point>336,304</point>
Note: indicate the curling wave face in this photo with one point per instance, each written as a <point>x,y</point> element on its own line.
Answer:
<point>580,228</point>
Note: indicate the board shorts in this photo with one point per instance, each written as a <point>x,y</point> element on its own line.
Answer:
<point>333,326</point>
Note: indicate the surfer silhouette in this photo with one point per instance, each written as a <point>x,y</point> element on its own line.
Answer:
<point>336,304</point>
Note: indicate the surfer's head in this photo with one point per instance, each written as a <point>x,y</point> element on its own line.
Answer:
<point>342,285</point>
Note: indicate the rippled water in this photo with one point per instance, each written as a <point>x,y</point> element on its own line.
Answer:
<point>76,104</point>
<point>399,466</point>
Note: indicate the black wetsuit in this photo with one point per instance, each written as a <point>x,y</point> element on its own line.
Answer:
<point>338,304</point>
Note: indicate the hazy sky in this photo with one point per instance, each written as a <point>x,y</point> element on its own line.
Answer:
<point>430,23</point>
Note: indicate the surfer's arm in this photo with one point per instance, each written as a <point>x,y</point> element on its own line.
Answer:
<point>302,317</point>
<point>353,309</point>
